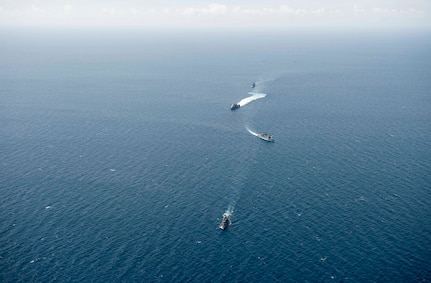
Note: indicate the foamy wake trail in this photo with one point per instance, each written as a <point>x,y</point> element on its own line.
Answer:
<point>251,132</point>
<point>254,96</point>
<point>229,210</point>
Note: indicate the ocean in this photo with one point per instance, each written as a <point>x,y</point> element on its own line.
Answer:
<point>120,154</point>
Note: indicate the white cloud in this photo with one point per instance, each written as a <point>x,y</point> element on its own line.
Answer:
<point>357,10</point>
<point>68,9</point>
<point>109,11</point>
<point>217,9</point>
<point>385,11</point>
<point>319,11</point>
<point>37,9</point>
<point>134,11</point>
<point>172,13</point>
<point>286,9</point>
<point>211,9</point>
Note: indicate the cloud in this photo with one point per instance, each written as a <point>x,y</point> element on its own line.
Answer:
<point>211,9</point>
<point>37,9</point>
<point>67,9</point>
<point>134,11</point>
<point>217,9</point>
<point>396,12</point>
<point>109,10</point>
<point>170,13</point>
<point>357,10</point>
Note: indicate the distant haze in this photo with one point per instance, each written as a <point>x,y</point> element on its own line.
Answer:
<point>225,14</point>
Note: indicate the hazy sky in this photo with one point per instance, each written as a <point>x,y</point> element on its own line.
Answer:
<point>222,13</point>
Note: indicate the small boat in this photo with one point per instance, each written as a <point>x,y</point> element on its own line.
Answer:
<point>253,85</point>
<point>225,222</point>
<point>234,106</point>
<point>266,137</point>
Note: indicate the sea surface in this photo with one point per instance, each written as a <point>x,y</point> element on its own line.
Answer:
<point>119,155</point>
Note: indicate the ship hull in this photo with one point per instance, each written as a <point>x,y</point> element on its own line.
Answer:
<point>225,222</point>
<point>234,106</point>
<point>265,138</point>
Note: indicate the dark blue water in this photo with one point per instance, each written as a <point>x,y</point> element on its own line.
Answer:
<point>119,155</point>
